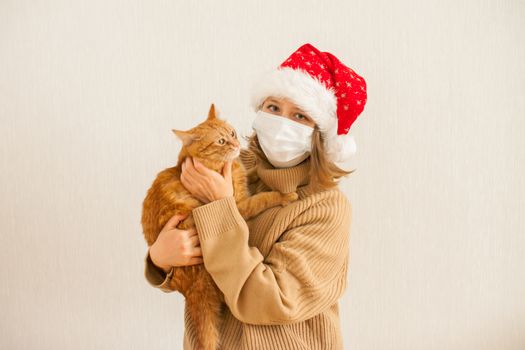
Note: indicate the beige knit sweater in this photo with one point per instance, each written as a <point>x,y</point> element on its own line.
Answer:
<point>281,272</point>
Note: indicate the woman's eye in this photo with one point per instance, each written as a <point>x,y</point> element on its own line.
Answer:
<point>300,116</point>
<point>273,108</point>
<point>222,141</point>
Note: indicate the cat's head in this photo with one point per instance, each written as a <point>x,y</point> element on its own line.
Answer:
<point>214,139</point>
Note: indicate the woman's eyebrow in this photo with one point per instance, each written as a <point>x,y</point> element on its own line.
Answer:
<point>295,109</point>
<point>299,110</point>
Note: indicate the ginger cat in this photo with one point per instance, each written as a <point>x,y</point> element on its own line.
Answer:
<point>213,142</point>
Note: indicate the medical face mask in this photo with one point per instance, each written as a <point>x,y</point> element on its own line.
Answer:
<point>285,143</point>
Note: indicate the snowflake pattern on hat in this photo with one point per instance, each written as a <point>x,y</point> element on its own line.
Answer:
<point>349,87</point>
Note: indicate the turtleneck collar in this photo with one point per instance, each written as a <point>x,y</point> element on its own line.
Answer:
<point>285,180</point>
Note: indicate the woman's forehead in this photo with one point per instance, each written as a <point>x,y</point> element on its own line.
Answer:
<point>283,100</point>
<point>278,99</point>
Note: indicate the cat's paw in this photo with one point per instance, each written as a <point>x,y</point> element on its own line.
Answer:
<point>252,176</point>
<point>287,198</point>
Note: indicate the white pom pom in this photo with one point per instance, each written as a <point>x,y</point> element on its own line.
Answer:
<point>342,148</point>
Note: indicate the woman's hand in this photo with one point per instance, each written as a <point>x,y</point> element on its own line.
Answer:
<point>175,247</point>
<point>205,184</point>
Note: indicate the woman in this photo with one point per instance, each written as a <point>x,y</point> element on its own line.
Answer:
<point>282,272</point>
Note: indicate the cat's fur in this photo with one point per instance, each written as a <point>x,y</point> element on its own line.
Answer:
<point>167,197</point>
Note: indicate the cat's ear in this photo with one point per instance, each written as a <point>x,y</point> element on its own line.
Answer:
<point>213,113</point>
<point>185,136</point>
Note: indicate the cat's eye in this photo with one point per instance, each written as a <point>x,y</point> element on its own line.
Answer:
<point>222,141</point>
<point>233,134</point>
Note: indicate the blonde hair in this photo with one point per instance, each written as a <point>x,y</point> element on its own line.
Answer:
<point>324,174</point>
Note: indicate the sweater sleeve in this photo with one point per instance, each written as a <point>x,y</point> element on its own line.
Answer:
<point>157,277</point>
<point>304,273</point>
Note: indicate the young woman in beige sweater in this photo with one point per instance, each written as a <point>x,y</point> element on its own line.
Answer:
<point>282,272</point>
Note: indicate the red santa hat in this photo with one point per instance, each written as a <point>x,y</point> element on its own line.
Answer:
<point>332,94</point>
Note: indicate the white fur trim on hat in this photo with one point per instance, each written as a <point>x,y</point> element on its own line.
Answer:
<point>314,98</point>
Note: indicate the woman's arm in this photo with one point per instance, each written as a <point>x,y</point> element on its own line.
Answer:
<point>156,277</point>
<point>173,247</point>
<point>160,278</point>
<point>304,273</point>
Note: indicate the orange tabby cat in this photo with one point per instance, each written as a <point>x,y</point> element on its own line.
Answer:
<point>212,142</point>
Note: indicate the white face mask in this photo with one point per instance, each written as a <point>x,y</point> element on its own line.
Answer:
<point>285,143</point>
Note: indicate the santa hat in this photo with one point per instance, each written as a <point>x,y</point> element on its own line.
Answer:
<point>332,94</point>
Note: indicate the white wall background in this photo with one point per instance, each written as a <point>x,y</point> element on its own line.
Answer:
<point>89,91</point>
